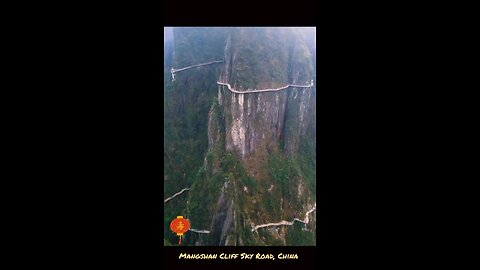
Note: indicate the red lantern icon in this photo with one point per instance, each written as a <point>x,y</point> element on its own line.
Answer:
<point>180,226</point>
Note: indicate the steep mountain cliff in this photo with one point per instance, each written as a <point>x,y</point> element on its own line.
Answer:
<point>248,159</point>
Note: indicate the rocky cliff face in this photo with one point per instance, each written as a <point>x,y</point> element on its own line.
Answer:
<point>255,168</point>
<point>258,122</point>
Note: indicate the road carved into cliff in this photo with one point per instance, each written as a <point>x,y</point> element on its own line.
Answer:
<point>176,194</point>
<point>198,65</point>
<point>283,222</point>
<point>199,231</point>
<point>263,90</point>
<point>287,223</point>
<point>173,71</point>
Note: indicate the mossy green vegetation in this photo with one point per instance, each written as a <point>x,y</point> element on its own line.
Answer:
<point>261,56</point>
<point>166,243</point>
<point>203,199</point>
<point>296,236</point>
<point>307,161</point>
<point>187,101</point>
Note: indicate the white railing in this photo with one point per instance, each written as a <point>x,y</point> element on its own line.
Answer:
<point>287,223</point>
<point>263,90</point>
<point>176,194</point>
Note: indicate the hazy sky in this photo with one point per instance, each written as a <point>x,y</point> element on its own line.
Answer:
<point>308,31</point>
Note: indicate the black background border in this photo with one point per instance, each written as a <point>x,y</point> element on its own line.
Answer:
<point>245,13</point>
<point>90,133</point>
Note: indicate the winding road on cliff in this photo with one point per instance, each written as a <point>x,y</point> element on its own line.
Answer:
<point>287,223</point>
<point>173,71</point>
<point>255,228</point>
<point>263,90</point>
<point>198,65</point>
<point>175,195</point>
